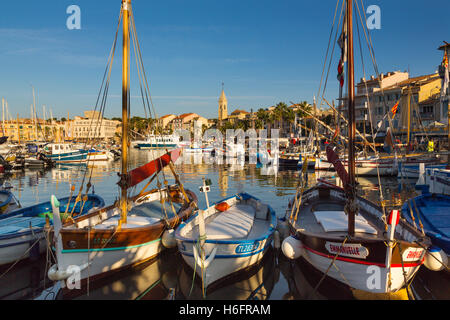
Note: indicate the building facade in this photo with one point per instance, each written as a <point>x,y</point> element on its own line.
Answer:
<point>92,126</point>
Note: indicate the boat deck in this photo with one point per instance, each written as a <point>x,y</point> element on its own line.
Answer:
<point>327,216</point>
<point>237,223</point>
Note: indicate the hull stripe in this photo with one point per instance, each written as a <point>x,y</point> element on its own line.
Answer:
<point>109,249</point>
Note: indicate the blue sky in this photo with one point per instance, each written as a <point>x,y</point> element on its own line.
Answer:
<point>264,51</point>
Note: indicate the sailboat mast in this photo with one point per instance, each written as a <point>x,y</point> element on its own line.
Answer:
<point>351,120</point>
<point>126,7</point>
<point>409,117</point>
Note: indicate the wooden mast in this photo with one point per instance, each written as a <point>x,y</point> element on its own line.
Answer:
<point>409,117</point>
<point>126,7</point>
<point>351,118</point>
<point>18,129</point>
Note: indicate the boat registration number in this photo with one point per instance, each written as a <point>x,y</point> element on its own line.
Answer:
<point>248,247</point>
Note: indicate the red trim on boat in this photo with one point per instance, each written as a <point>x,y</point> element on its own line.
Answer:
<point>345,259</point>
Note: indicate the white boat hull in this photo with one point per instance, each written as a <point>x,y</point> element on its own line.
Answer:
<point>226,261</point>
<point>96,262</point>
<point>369,278</point>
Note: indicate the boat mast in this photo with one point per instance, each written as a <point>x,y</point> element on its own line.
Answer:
<point>126,7</point>
<point>409,117</point>
<point>3,116</point>
<point>351,119</point>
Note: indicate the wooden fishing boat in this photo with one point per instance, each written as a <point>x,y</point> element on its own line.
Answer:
<point>133,229</point>
<point>342,235</point>
<point>320,236</point>
<point>227,237</point>
<point>431,213</point>
<point>99,244</point>
<point>22,229</point>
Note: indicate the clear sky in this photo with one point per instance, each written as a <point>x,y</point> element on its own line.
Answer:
<point>265,51</point>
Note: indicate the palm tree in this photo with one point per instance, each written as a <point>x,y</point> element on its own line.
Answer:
<point>303,106</point>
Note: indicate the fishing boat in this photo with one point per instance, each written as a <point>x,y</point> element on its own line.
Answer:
<point>22,230</point>
<point>65,153</point>
<point>431,213</point>
<point>345,237</point>
<point>433,180</point>
<point>135,228</point>
<point>227,237</point>
<point>154,141</point>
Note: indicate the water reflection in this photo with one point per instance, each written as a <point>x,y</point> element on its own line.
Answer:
<point>167,277</point>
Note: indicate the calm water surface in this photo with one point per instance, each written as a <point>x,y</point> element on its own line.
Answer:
<point>167,276</point>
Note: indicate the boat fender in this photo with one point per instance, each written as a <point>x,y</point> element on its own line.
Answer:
<point>206,262</point>
<point>276,239</point>
<point>292,248</point>
<point>57,275</point>
<point>223,206</point>
<point>435,259</point>
<point>168,239</point>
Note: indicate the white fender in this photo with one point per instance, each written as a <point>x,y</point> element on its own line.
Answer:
<point>292,248</point>
<point>206,262</point>
<point>56,275</point>
<point>168,239</point>
<point>435,259</point>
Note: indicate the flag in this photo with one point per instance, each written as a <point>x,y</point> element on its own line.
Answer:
<point>342,41</point>
<point>394,109</point>
<point>445,81</point>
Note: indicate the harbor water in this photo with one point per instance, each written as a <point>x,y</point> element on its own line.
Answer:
<point>167,277</point>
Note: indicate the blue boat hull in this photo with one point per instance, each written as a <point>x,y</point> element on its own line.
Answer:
<point>434,213</point>
<point>22,231</point>
<point>70,157</point>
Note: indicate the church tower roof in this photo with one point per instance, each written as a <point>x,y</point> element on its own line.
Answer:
<point>223,98</point>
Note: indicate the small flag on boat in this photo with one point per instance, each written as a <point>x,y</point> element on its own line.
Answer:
<point>445,81</point>
<point>342,41</point>
<point>394,108</point>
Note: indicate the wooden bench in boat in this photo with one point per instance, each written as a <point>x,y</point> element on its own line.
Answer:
<point>336,221</point>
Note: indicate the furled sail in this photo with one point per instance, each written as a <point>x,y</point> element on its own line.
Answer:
<point>141,173</point>
<point>333,158</point>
